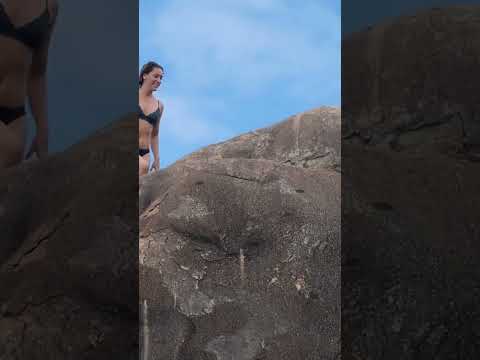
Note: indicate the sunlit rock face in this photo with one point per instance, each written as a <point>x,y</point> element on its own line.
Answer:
<point>240,247</point>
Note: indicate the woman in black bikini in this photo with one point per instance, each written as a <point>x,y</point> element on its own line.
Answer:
<point>25,30</point>
<point>150,112</point>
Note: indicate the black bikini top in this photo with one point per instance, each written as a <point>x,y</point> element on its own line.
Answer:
<point>151,118</point>
<point>31,34</point>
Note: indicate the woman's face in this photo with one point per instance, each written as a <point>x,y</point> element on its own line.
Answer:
<point>153,79</point>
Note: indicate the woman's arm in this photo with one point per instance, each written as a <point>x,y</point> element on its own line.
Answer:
<point>37,91</point>
<point>156,129</point>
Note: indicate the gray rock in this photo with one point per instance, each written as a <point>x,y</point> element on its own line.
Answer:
<point>258,217</point>
<point>68,252</point>
<point>412,83</point>
<point>410,270</point>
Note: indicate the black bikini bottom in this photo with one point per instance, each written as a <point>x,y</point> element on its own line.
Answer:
<point>143,152</point>
<point>9,114</point>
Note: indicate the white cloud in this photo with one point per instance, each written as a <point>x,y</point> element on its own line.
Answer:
<point>239,49</point>
<point>247,45</point>
<point>184,120</point>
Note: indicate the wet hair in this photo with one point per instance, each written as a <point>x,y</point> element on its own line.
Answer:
<point>147,69</point>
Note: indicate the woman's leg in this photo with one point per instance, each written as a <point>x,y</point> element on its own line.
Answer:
<point>11,147</point>
<point>142,166</point>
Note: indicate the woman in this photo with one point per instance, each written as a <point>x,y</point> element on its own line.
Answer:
<point>150,112</point>
<point>26,27</point>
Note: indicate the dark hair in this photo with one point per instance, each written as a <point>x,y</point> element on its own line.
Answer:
<point>147,69</point>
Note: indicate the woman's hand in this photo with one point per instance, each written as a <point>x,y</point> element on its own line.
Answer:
<point>39,146</point>
<point>156,165</point>
<point>33,149</point>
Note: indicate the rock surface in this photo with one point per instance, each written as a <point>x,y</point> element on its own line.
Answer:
<point>240,247</point>
<point>412,84</point>
<point>410,218</point>
<point>69,252</point>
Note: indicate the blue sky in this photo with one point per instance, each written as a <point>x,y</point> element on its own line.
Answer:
<point>233,66</point>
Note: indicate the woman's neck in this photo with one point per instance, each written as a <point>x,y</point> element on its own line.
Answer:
<point>145,93</point>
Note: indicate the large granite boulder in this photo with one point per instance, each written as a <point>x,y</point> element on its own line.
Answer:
<point>412,84</point>
<point>410,214</point>
<point>69,252</point>
<point>240,247</point>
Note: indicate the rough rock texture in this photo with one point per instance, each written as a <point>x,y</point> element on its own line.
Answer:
<point>410,209</point>
<point>69,252</point>
<point>240,247</point>
<point>413,83</point>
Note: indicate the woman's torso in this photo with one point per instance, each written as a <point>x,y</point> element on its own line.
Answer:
<point>148,116</point>
<point>19,24</point>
